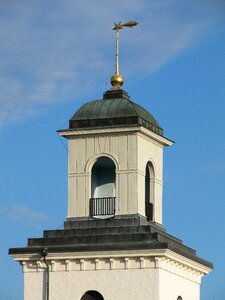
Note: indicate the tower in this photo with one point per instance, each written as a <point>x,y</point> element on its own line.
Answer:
<point>114,244</point>
<point>114,145</point>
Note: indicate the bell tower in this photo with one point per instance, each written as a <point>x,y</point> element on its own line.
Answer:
<point>115,155</point>
<point>115,159</point>
<point>113,244</point>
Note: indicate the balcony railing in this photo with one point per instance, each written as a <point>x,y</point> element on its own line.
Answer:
<point>102,206</point>
<point>149,210</point>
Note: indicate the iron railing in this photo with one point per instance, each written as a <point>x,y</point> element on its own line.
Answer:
<point>149,210</point>
<point>102,206</point>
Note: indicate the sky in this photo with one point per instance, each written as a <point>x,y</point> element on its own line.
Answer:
<point>58,55</point>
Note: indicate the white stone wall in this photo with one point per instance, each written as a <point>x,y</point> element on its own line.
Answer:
<point>119,285</point>
<point>172,285</point>
<point>34,286</point>
<point>150,151</point>
<point>130,149</point>
<point>83,152</point>
<point>132,276</point>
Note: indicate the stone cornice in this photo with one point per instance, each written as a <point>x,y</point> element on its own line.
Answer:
<point>163,259</point>
<point>115,131</point>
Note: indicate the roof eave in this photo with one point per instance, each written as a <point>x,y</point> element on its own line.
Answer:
<point>72,133</point>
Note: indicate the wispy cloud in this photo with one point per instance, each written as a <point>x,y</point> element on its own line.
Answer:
<point>25,214</point>
<point>49,49</point>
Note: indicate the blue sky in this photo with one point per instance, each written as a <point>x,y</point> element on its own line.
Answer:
<point>57,55</point>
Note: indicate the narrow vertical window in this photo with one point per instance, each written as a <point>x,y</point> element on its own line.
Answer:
<point>149,191</point>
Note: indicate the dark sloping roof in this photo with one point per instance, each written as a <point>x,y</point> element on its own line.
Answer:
<point>115,109</point>
<point>118,233</point>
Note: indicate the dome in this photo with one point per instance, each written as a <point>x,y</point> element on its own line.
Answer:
<point>114,110</point>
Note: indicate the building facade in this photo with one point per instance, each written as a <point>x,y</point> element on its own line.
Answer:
<point>114,244</point>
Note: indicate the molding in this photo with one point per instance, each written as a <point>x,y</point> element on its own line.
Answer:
<point>53,265</point>
<point>120,130</point>
<point>67,264</point>
<point>118,172</point>
<point>92,160</point>
<point>112,263</point>
<point>163,259</point>
<point>79,174</point>
<point>142,262</point>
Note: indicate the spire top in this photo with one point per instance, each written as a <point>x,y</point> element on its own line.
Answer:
<point>117,79</point>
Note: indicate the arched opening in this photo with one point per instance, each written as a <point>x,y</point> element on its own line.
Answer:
<point>103,187</point>
<point>149,191</point>
<point>103,178</point>
<point>92,295</point>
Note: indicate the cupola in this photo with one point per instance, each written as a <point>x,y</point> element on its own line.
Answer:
<point>115,109</point>
<point>115,159</point>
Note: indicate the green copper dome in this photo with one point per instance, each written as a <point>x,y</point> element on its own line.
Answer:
<point>115,109</point>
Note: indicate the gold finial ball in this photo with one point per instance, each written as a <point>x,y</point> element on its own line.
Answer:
<point>117,80</point>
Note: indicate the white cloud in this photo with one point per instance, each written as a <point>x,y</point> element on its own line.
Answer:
<point>25,214</point>
<point>56,51</point>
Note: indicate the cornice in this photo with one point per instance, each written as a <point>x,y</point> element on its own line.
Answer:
<point>163,259</point>
<point>115,131</point>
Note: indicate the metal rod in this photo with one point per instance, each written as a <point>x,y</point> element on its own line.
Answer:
<point>117,52</point>
<point>47,279</point>
<point>44,253</point>
<point>117,28</point>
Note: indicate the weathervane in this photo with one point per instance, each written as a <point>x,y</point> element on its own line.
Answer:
<point>117,79</point>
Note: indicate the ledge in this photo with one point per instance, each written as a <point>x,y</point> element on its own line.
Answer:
<point>121,233</point>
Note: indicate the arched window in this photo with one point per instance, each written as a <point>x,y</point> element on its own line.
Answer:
<point>149,190</point>
<point>103,187</point>
<point>103,178</point>
<point>92,295</point>
<point>179,298</point>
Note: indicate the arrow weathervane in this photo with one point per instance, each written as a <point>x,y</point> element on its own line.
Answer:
<point>117,79</point>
